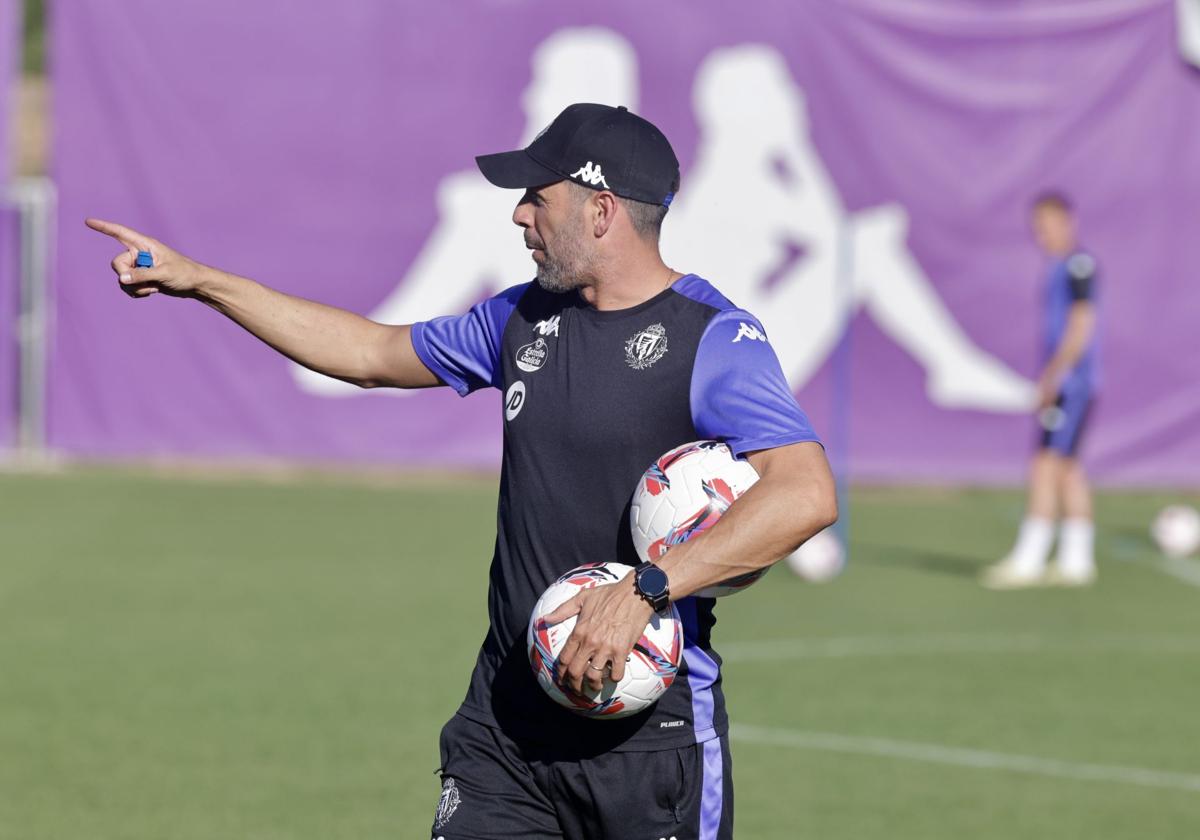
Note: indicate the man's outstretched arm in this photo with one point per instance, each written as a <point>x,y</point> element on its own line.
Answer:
<point>324,338</point>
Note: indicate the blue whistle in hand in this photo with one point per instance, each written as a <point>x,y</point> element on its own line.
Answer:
<point>144,260</point>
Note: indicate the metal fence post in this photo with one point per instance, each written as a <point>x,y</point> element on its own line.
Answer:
<point>36,201</point>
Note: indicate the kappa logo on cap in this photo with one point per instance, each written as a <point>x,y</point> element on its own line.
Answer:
<point>590,175</point>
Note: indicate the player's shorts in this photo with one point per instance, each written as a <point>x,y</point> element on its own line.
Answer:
<point>495,789</point>
<point>1063,424</point>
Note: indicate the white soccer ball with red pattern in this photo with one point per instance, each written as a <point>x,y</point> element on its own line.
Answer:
<point>683,494</point>
<point>820,559</point>
<point>649,670</point>
<point>1176,531</point>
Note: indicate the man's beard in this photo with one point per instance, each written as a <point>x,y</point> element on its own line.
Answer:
<point>567,268</point>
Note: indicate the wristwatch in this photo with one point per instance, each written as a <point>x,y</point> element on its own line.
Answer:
<point>650,582</point>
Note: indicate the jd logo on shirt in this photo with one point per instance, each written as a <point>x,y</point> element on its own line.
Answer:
<point>532,356</point>
<point>514,400</point>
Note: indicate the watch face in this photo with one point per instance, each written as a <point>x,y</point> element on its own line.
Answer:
<point>652,581</point>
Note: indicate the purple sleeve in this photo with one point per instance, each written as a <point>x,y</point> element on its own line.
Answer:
<point>464,350</point>
<point>739,394</point>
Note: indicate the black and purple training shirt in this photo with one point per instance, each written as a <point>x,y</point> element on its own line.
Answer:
<point>591,399</point>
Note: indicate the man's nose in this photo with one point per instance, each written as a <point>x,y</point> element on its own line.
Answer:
<point>523,215</point>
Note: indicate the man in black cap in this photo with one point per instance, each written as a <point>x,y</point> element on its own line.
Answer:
<point>608,359</point>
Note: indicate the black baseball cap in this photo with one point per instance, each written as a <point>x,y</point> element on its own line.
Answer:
<point>597,146</point>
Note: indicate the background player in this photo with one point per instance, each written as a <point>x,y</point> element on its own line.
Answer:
<point>806,261</point>
<point>1066,389</point>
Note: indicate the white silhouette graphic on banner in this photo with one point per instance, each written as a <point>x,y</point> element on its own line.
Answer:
<point>761,216</point>
<point>758,214</point>
<point>475,251</point>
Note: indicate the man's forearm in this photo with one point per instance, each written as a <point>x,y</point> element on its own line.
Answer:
<point>1080,324</point>
<point>782,510</point>
<point>324,338</point>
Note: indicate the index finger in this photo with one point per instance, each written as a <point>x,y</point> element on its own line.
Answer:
<point>565,610</point>
<point>128,237</point>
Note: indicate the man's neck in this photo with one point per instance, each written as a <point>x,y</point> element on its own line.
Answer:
<point>620,286</point>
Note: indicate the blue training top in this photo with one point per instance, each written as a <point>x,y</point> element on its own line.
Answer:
<point>1071,280</point>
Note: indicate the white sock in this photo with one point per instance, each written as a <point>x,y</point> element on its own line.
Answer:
<point>1033,545</point>
<point>1075,546</point>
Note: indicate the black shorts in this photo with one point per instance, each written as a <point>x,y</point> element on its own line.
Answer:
<point>495,789</point>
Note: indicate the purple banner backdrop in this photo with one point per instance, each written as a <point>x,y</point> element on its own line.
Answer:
<point>857,173</point>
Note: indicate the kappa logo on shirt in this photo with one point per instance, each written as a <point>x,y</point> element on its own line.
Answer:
<point>749,331</point>
<point>591,175</point>
<point>548,327</point>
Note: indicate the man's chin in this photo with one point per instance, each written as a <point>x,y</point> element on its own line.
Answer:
<point>549,284</point>
<point>553,282</point>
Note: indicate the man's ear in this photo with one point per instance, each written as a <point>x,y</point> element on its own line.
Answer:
<point>604,212</point>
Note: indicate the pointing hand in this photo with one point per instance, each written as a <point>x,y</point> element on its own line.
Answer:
<point>172,272</point>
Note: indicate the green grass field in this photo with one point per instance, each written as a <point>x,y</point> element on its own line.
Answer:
<point>244,659</point>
